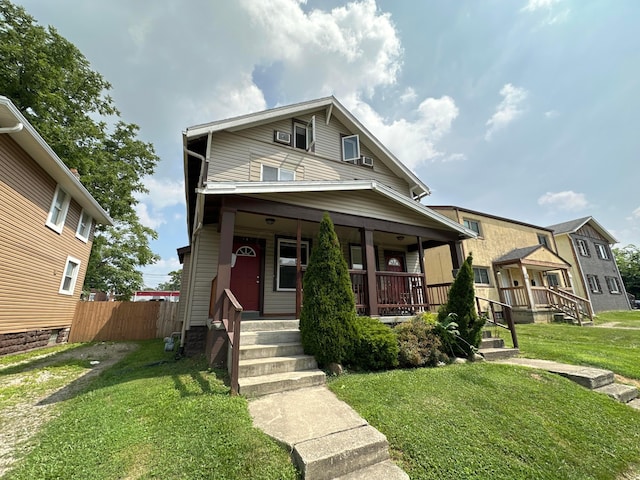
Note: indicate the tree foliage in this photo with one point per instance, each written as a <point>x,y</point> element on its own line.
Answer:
<point>628,260</point>
<point>329,308</point>
<point>462,303</point>
<point>175,279</point>
<point>52,84</point>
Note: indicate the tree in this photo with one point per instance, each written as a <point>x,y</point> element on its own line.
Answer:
<point>329,310</point>
<point>174,282</point>
<point>628,260</point>
<point>462,303</point>
<point>54,87</point>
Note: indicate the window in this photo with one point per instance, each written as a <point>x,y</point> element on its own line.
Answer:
<point>613,284</point>
<point>357,262</point>
<point>304,134</point>
<point>350,148</point>
<point>58,210</point>
<point>481,275</point>
<point>594,284</point>
<point>583,249</point>
<point>84,226</point>
<point>286,253</point>
<point>603,251</point>
<point>473,225</point>
<point>69,276</point>
<point>552,279</point>
<point>543,240</point>
<point>274,174</point>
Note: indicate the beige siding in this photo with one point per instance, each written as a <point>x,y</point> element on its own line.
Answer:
<point>33,256</point>
<point>237,156</point>
<point>184,287</point>
<point>205,266</point>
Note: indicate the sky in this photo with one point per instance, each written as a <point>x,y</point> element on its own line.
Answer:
<point>525,109</point>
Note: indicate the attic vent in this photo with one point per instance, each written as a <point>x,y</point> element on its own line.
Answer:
<point>282,137</point>
<point>366,161</point>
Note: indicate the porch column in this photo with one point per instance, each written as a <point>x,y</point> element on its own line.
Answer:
<point>370,259</point>
<point>299,269</point>
<point>423,271</point>
<point>527,286</point>
<point>215,343</point>
<point>457,255</point>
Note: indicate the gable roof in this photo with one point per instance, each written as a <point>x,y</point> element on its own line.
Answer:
<point>525,255</point>
<point>31,142</point>
<point>487,215</point>
<point>572,226</point>
<point>332,108</point>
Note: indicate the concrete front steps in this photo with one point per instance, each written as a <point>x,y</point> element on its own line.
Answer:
<point>492,348</point>
<point>326,437</point>
<point>596,379</point>
<point>272,359</point>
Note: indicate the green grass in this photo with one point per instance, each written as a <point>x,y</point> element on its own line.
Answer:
<point>481,421</point>
<point>623,318</point>
<point>152,417</point>
<point>609,348</point>
<point>33,355</point>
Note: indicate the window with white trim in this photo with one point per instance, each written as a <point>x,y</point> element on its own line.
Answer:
<point>350,148</point>
<point>58,210</point>
<point>481,276</point>
<point>357,260</point>
<point>304,134</point>
<point>602,251</point>
<point>276,174</point>
<point>583,249</point>
<point>613,285</point>
<point>472,225</point>
<point>594,284</point>
<point>69,276</point>
<point>84,226</point>
<point>286,263</point>
<point>553,280</point>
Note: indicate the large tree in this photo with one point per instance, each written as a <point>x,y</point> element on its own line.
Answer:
<point>174,282</point>
<point>53,85</point>
<point>628,260</point>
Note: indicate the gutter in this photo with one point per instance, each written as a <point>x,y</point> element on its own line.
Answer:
<point>18,127</point>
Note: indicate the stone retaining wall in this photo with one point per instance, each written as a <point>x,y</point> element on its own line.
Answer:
<point>19,342</point>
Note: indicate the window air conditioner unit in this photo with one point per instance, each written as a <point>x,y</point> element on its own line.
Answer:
<point>283,137</point>
<point>366,161</point>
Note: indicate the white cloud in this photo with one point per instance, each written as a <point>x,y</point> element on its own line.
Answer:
<point>163,192</point>
<point>636,213</point>
<point>411,141</point>
<point>148,219</point>
<point>568,201</point>
<point>549,6</point>
<point>159,271</point>
<point>551,114</point>
<point>455,157</point>
<point>409,95</point>
<point>534,5</point>
<point>508,110</point>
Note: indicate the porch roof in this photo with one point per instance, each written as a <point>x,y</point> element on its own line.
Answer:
<point>534,255</point>
<point>248,188</point>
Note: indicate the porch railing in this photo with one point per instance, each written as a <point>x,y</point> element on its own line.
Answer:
<point>400,293</point>
<point>576,307</point>
<point>359,285</point>
<point>496,312</point>
<point>438,294</point>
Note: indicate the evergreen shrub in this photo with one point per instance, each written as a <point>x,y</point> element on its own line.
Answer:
<point>376,345</point>
<point>418,342</point>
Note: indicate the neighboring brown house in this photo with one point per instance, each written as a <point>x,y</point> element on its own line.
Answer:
<point>256,189</point>
<point>47,221</point>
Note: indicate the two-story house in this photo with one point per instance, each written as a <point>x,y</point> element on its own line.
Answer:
<point>587,245</point>
<point>47,221</point>
<point>256,189</point>
<point>515,263</point>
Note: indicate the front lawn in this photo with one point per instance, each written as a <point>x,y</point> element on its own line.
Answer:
<point>621,318</point>
<point>152,417</point>
<point>609,348</point>
<point>492,421</point>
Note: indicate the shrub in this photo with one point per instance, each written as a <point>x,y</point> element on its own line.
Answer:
<point>375,347</point>
<point>462,303</point>
<point>329,307</point>
<point>419,344</point>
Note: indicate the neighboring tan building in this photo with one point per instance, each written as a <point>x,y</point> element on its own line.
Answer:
<point>514,263</point>
<point>47,221</point>
<point>256,189</point>
<point>587,245</point>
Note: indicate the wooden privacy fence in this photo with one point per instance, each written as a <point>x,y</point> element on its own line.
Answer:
<point>102,321</point>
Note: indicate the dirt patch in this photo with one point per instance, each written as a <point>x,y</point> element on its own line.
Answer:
<point>627,381</point>
<point>21,421</point>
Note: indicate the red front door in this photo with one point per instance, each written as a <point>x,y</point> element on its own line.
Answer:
<point>245,274</point>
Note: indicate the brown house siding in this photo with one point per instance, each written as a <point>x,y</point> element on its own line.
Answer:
<point>32,256</point>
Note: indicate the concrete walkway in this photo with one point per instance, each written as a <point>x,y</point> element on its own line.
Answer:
<point>327,438</point>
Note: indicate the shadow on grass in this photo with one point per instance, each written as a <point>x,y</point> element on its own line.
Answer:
<point>61,358</point>
<point>148,361</point>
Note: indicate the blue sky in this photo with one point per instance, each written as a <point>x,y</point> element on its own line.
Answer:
<point>525,109</point>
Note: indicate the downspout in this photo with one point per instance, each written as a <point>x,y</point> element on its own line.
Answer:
<point>15,129</point>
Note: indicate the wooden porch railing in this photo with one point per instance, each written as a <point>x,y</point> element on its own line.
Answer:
<point>496,312</point>
<point>515,296</point>
<point>438,294</point>
<point>359,285</point>
<point>573,305</point>
<point>400,293</point>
